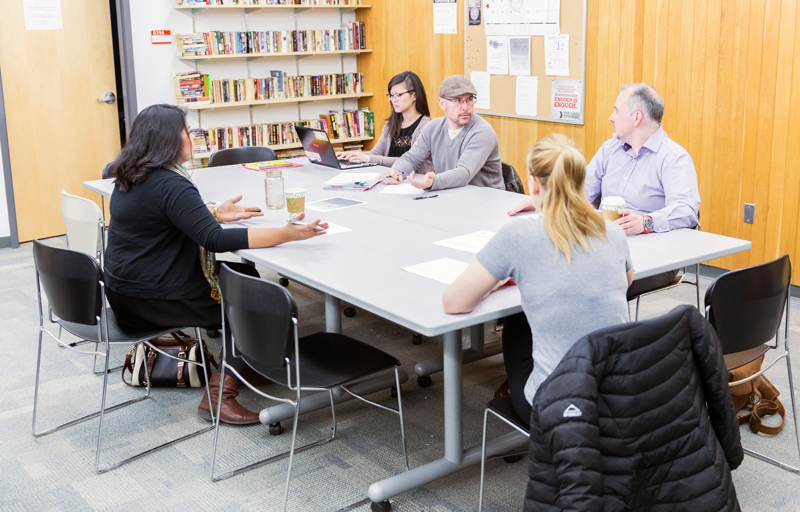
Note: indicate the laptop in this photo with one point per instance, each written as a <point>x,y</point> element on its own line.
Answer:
<point>319,150</point>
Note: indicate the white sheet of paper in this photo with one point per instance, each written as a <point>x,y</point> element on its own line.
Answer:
<point>519,56</point>
<point>482,82</point>
<point>42,14</point>
<point>332,204</point>
<point>497,55</point>
<point>403,189</point>
<point>351,178</point>
<point>471,242</point>
<point>335,229</point>
<point>556,54</point>
<point>445,18</point>
<point>444,270</point>
<point>527,96</point>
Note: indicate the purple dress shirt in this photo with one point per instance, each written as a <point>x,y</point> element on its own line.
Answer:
<point>660,182</point>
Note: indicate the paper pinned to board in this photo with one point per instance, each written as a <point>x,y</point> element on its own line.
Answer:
<point>443,270</point>
<point>483,86</point>
<point>527,97</point>
<point>519,56</point>
<point>497,55</point>
<point>471,242</point>
<point>556,54</point>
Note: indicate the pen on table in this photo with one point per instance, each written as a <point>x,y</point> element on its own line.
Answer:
<point>293,221</point>
<point>426,197</point>
<point>359,183</point>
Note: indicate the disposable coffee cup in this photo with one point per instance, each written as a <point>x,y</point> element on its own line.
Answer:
<point>295,202</point>
<point>610,206</point>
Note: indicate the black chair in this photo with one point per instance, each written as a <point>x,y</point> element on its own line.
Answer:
<point>746,307</point>
<point>262,318</point>
<point>244,155</point>
<point>503,409</point>
<point>74,287</point>
<point>511,179</point>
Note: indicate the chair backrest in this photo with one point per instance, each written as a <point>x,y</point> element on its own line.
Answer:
<point>108,172</point>
<point>511,179</point>
<point>746,306</point>
<point>83,222</point>
<point>71,282</point>
<point>244,155</point>
<point>259,314</point>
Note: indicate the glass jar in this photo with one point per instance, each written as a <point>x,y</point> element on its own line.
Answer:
<point>273,187</point>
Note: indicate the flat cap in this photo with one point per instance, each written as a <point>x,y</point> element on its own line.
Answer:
<point>456,85</point>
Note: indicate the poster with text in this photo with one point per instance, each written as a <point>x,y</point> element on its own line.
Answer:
<point>445,16</point>
<point>566,100</point>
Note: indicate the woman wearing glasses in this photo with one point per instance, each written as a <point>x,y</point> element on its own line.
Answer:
<point>410,114</point>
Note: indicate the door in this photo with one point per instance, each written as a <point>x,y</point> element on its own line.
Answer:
<point>59,134</point>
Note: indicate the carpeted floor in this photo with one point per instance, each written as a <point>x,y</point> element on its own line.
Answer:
<point>55,472</point>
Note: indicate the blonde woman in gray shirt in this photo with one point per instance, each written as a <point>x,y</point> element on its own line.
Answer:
<point>410,114</point>
<point>571,266</point>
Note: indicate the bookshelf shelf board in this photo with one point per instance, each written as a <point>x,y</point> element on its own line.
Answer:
<point>195,9</point>
<point>252,56</point>
<point>294,145</point>
<point>256,103</point>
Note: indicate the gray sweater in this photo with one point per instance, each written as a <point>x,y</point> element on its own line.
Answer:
<point>379,152</point>
<point>473,157</point>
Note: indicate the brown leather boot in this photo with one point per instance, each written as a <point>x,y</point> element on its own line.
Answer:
<point>231,411</point>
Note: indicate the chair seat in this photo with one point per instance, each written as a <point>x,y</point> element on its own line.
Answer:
<point>736,359</point>
<point>672,284</point>
<point>505,408</point>
<point>328,360</point>
<point>116,332</point>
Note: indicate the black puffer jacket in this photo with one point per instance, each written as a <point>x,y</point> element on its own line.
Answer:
<point>637,417</point>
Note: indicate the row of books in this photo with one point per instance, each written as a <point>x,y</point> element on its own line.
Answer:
<point>195,87</point>
<point>350,37</point>
<point>269,2</point>
<point>348,124</point>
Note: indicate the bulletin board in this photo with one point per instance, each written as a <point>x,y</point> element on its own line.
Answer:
<point>572,21</point>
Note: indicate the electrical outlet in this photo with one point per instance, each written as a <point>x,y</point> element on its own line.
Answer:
<point>749,213</point>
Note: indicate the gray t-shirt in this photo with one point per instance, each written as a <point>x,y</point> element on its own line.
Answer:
<point>563,301</point>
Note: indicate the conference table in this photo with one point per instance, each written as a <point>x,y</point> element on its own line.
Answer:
<point>363,266</point>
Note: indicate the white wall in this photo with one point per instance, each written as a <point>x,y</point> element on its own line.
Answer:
<point>5,230</point>
<point>155,65</point>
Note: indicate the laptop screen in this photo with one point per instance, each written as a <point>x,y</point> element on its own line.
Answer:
<point>317,146</point>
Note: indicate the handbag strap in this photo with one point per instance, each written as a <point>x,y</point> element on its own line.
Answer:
<point>766,408</point>
<point>127,365</point>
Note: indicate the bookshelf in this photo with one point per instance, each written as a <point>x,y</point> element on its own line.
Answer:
<point>316,54</point>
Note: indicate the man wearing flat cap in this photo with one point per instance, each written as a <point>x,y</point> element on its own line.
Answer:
<point>463,147</point>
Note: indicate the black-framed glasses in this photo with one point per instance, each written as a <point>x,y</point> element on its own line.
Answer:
<point>466,101</point>
<point>398,95</point>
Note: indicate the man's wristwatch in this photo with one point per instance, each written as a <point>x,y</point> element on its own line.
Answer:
<point>648,224</point>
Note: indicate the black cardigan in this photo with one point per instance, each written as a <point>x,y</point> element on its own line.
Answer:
<point>154,236</point>
<point>637,416</point>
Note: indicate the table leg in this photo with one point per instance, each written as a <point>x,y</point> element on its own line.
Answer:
<point>333,316</point>
<point>477,351</point>
<point>455,457</point>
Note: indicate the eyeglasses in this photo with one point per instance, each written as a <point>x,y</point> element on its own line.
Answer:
<point>466,101</point>
<point>397,96</point>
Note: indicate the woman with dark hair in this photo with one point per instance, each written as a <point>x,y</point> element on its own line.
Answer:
<point>410,114</point>
<point>158,272</point>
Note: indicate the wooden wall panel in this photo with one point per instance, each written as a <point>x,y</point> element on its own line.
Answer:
<point>729,73</point>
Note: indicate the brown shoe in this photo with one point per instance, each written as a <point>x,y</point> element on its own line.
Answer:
<point>231,411</point>
<point>503,390</point>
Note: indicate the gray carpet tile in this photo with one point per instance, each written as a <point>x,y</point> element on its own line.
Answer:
<point>55,472</point>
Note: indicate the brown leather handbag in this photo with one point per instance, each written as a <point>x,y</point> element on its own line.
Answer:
<point>165,371</point>
<point>758,396</point>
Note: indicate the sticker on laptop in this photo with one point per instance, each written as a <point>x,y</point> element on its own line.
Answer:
<point>313,157</point>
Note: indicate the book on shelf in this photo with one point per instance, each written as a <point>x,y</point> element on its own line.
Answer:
<point>191,87</point>
<point>189,3</point>
<point>349,123</point>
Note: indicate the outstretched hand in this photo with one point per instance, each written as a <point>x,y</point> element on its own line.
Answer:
<point>424,183</point>
<point>305,231</point>
<point>229,211</point>
<point>524,206</point>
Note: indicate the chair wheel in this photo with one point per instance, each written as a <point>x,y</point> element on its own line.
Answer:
<point>381,506</point>
<point>350,312</point>
<point>275,429</point>
<point>212,333</point>
<point>416,339</point>
<point>394,391</point>
<point>511,459</point>
<point>284,282</point>
<point>424,381</point>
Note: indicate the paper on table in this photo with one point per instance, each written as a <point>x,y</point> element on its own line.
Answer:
<point>335,229</point>
<point>482,82</point>
<point>497,55</point>
<point>519,51</point>
<point>351,178</point>
<point>527,96</point>
<point>444,270</point>
<point>405,188</point>
<point>472,242</point>
<point>556,54</point>
<point>333,203</point>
